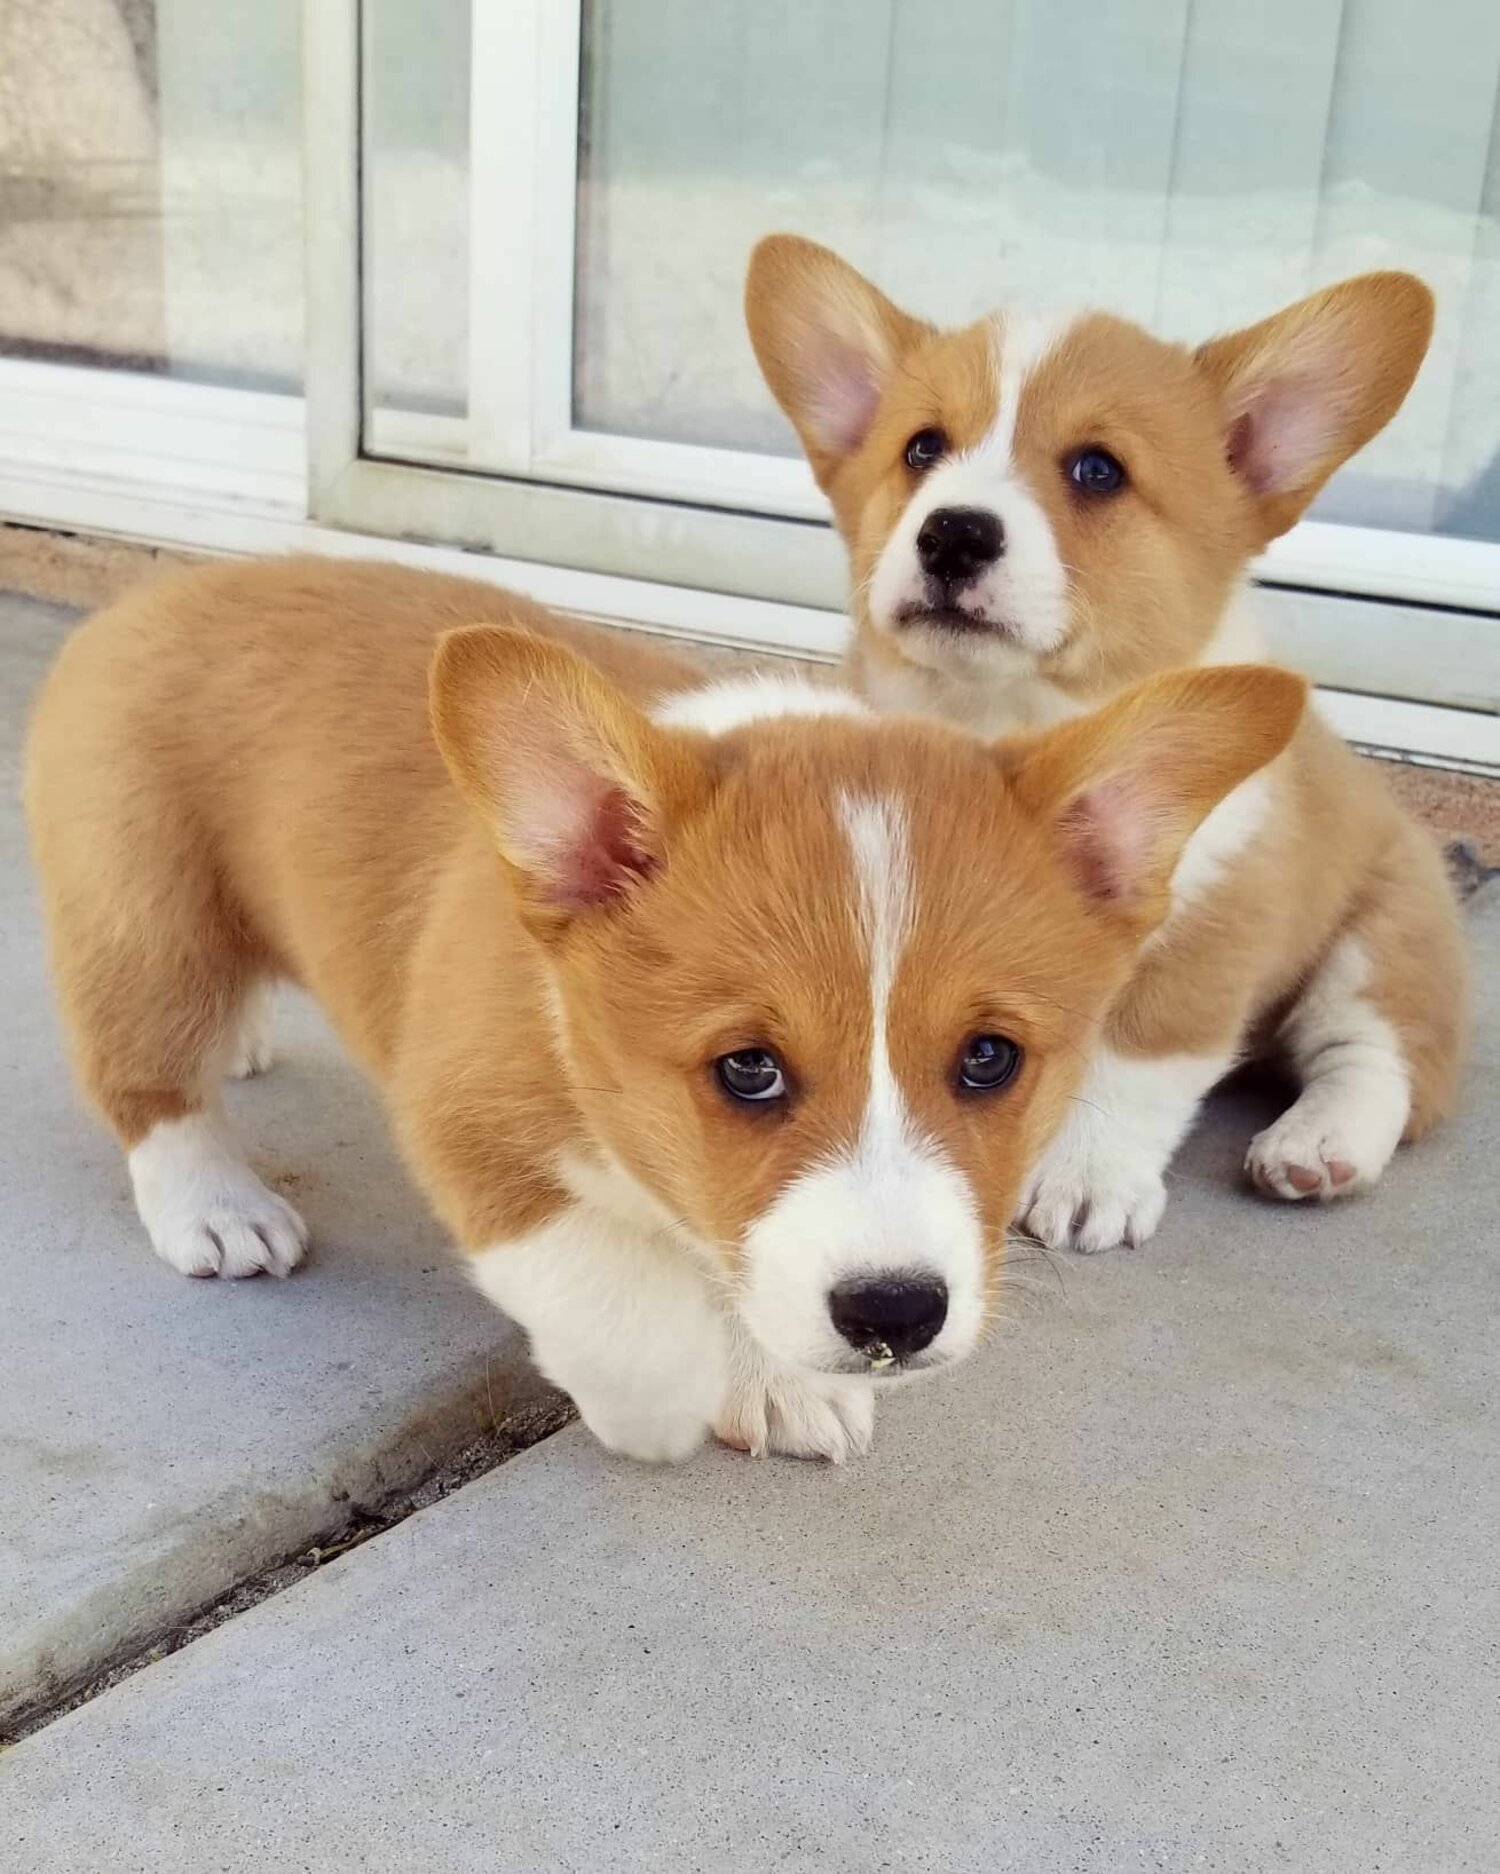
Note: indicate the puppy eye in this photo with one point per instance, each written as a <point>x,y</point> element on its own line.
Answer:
<point>988,1063</point>
<point>1096,472</point>
<point>925,448</point>
<point>751,1075</point>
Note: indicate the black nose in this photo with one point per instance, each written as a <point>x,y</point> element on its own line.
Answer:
<point>901,1316</point>
<point>957,543</point>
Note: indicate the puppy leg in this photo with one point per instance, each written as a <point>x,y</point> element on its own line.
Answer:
<point>1375,1038</point>
<point>152,973</point>
<point>1356,1089</point>
<point>623,1322</point>
<point>1100,1183</point>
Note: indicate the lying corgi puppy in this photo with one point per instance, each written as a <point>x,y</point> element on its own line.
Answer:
<point>1041,511</point>
<point>719,1024</point>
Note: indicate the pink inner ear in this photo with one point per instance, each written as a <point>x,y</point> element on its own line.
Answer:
<point>595,852</point>
<point>1280,439</point>
<point>843,391</point>
<point>1106,834</point>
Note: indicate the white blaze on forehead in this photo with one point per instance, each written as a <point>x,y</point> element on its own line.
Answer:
<point>720,707</point>
<point>1024,594</point>
<point>890,1202</point>
<point>877,835</point>
<point>1022,340</point>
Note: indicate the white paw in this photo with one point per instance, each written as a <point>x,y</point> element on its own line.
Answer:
<point>623,1321</point>
<point>656,1431</point>
<point>205,1210</point>
<point>237,1228</point>
<point>804,1415</point>
<point>1315,1151</point>
<point>660,1405</point>
<point>1097,1202</point>
<point>251,1050</point>
<point>1099,1183</point>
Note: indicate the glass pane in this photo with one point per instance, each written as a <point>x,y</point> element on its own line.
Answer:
<point>1191,165</point>
<point>416,177</point>
<point>151,186</point>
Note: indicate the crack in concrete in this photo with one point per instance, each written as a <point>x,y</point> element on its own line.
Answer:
<point>528,1424</point>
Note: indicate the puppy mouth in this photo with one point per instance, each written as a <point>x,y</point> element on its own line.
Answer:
<point>886,1368</point>
<point>953,621</point>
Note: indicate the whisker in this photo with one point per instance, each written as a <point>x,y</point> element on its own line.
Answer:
<point>1023,1239</point>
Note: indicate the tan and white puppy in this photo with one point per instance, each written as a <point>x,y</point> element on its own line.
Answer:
<point>1039,511</point>
<point>719,1039</point>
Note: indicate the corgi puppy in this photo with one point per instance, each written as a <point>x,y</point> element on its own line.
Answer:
<point>714,1032</point>
<point>1040,511</point>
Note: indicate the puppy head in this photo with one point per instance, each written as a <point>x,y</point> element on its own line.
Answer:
<point>1066,498</point>
<point>825,982</point>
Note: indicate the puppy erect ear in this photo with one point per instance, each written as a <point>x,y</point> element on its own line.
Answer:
<point>577,787</point>
<point>1122,790</point>
<point>1307,387</point>
<point>826,340</point>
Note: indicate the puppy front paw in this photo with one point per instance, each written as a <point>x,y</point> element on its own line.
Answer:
<point>659,1408</point>
<point>1099,1201</point>
<point>1310,1154</point>
<point>206,1211</point>
<point>802,1415</point>
<point>653,1431</point>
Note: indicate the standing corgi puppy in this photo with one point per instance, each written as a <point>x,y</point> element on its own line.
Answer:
<point>1041,511</point>
<point>717,1036</point>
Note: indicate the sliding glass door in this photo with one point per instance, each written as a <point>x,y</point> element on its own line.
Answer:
<point>520,229</point>
<point>558,200</point>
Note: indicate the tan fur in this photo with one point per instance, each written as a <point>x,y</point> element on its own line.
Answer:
<point>1337,858</point>
<point>231,777</point>
<point>1150,574</point>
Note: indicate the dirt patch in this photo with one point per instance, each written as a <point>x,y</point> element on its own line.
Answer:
<point>77,569</point>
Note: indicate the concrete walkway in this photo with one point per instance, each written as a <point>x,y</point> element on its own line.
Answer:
<point>1193,1568</point>
<point>162,1439</point>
